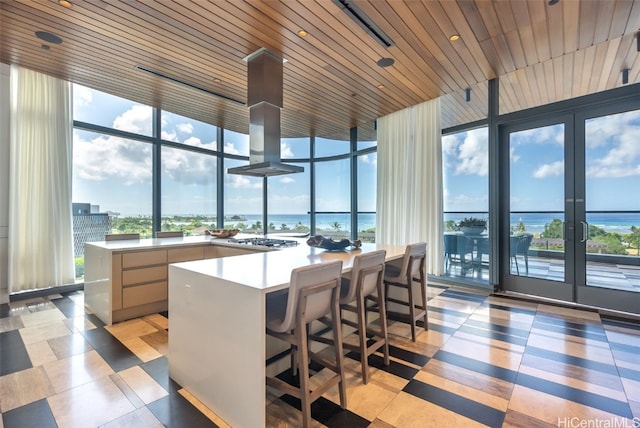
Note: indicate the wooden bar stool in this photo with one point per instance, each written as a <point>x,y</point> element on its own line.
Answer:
<point>314,292</point>
<point>412,270</point>
<point>366,284</point>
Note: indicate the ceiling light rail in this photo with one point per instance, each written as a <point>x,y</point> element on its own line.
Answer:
<point>365,22</point>
<point>191,85</point>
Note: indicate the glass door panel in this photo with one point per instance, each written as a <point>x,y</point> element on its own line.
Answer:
<point>537,218</point>
<point>612,177</point>
<point>535,245</point>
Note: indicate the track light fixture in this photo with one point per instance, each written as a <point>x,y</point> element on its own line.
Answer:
<point>625,76</point>
<point>467,94</point>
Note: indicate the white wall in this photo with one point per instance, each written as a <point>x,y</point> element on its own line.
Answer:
<point>4,180</point>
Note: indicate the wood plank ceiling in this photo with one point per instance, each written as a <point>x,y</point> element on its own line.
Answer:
<point>542,53</point>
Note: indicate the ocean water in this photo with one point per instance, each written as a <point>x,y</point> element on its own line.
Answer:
<point>323,221</point>
<point>534,222</point>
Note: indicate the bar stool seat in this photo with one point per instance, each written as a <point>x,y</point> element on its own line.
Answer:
<point>365,285</point>
<point>412,270</point>
<point>314,292</point>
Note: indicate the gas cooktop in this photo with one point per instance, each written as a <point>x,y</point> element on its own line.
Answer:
<point>265,242</point>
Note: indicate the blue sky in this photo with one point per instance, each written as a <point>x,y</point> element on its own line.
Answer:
<point>116,173</point>
<point>612,164</point>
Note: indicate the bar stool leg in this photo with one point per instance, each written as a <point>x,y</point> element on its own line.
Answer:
<point>362,333</point>
<point>412,308</point>
<point>303,368</point>
<point>423,289</point>
<point>383,321</point>
<point>337,338</point>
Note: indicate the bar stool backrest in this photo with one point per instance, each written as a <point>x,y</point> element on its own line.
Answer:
<point>414,254</point>
<point>121,236</point>
<point>325,277</point>
<point>170,234</point>
<point>364,262</point>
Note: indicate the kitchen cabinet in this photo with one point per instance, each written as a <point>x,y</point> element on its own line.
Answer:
<point>129,279</point>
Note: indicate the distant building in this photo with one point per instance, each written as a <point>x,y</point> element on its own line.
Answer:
<point>89,225</point>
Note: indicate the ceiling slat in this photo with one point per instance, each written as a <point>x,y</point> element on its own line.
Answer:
<point>541,53</point>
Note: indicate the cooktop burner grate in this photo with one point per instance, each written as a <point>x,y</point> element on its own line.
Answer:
<point>265,242</point>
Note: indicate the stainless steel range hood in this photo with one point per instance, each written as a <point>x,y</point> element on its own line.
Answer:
<point>265,101</point>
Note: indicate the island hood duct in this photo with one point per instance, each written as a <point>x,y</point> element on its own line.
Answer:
<point>265,101</point>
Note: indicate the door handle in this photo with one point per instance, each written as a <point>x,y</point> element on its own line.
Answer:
<point>585,231</point>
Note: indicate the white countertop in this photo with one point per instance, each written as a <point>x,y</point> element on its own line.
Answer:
<point>272,270</point>
<point>152,243</point>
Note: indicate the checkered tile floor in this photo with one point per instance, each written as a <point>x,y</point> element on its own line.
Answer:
<point>485,361</point>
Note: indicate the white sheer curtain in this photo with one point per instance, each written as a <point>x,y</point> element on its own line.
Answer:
<point>40,222</point>
<point>409,198</point>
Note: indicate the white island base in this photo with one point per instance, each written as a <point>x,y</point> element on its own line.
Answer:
<point>217,341</point>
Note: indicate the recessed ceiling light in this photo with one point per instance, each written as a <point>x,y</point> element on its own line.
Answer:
<point>48,37</point>
<point>381,86</point>
<point>65,3</point>
<point>454,37</point>
<point>302,33</point>
<point>217,80</point>
<point>45,47</point>
<point>385,62</point>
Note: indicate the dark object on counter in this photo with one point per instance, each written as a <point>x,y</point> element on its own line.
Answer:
<point>320,241</point>
<point>222,233</point>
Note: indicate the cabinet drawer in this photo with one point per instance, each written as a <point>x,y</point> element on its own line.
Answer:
<point>176,255</point>
<point>229,251</point>
<point>210,252</point>
<point>142,294</point>
<point>144,258</point>
<point>138,276</point>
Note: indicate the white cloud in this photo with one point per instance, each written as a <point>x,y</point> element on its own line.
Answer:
<point>169,136</point>
<point>230,148</point>
<point>544,135</point>
<point>81,96</point>
<point>289,204</point>
<point>129,162</point>
<point>473,154</point>
<point>512,155</point>
<point>188,168</point>
<point>369,159</point>
<point>242,182</point>
<point>137,120</point>
<point>187,128</point>
<point>287,180</point>
<point>462,202</point>
<point>285,151</point>
<point>618,135</point>
<point>553,169</point>
<point>106,158</point>
<point>466,153</point>
<point>194,141</point>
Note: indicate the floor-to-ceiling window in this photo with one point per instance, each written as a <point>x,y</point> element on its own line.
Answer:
<point>117,142</point>
<point>465,170</point>
<point>188,176</point>
<point>112,169</point>
<point>288,196</point>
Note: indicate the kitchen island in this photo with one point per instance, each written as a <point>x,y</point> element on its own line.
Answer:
<point>129,278</point>
<point>217,341</point>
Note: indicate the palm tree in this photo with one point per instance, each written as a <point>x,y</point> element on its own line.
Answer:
<point>635,236</point>
<point>336,226</point>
